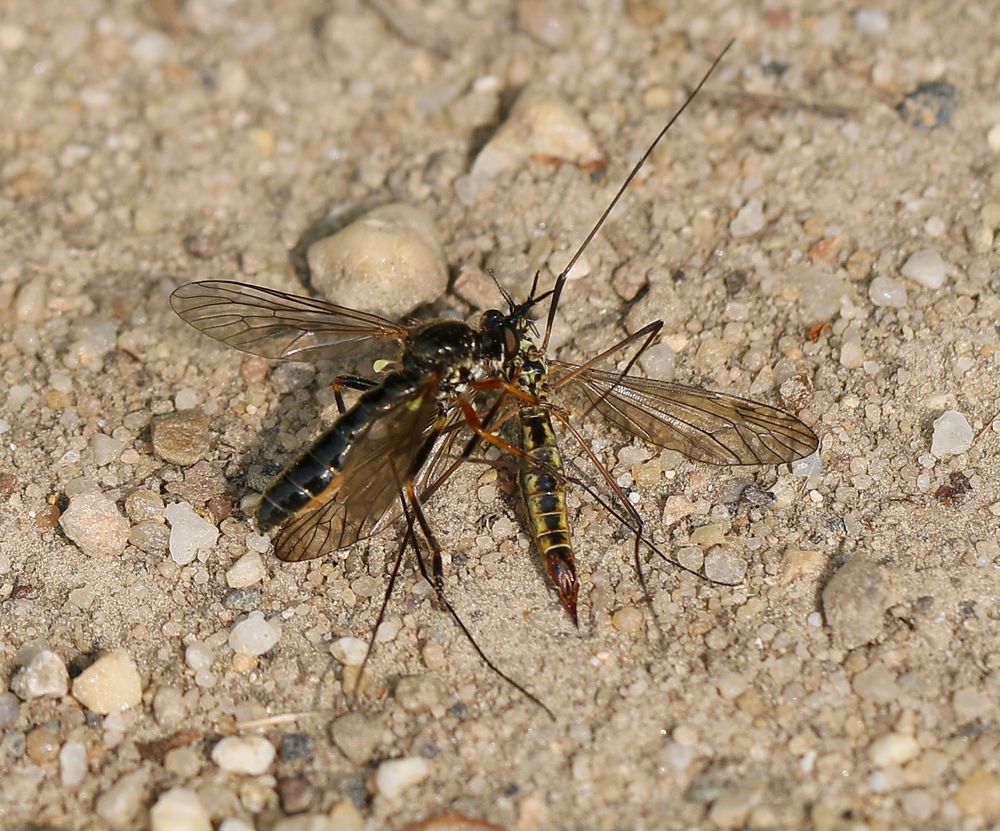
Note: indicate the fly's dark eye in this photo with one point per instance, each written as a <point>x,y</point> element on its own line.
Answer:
<point>492,324</point>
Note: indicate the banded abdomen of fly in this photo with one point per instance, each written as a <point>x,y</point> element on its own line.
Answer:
<point>308,479</point>
<point>545,499</point>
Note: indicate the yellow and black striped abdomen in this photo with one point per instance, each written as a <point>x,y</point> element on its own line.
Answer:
<point>544,492</point>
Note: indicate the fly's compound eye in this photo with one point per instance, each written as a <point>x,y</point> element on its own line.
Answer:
<point>492,324</point>
<point>510,340</point>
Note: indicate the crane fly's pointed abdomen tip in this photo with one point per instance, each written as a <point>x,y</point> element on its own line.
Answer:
<point>562,571</point>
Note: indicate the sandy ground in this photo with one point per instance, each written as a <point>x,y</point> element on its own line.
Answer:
<point>148,144</point>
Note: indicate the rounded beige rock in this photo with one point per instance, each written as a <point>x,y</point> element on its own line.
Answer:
<point>388,261</point>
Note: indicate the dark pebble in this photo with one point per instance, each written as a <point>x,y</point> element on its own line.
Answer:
<point>295,746</point>
<point>242,600</point>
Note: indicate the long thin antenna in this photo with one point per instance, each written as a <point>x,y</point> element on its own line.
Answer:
<point>561,279</point>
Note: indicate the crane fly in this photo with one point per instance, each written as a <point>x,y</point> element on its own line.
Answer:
<point>447,380</point>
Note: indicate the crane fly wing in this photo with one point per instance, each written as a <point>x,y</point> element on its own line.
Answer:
<point>710,427</point>
<point>274,324</point>
<point>381,461</point>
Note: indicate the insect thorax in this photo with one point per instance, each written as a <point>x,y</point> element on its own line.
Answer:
<point>528,369</point>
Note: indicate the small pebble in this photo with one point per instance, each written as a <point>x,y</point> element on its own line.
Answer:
<point>885,291</point>
<point>254,635</point>
<point>120,804</point>
<point>179,809</point>
<point>396,775</point>
<point>186,399</point>
<point>919,805</point>
<point>251,755</point>
<point>345,816</point>
<point>29,305</point>
<point>151,47</point>
<point>871,21</point>
<point>72,763</point>
<point>659,361</point>
<point>356,736</point>
<point>926,268</point>
<point>95,339</point>
<point>295,746</point>
<point>931,104</point>
<point>189,533</point>
<point>418,693</point>
<point>979,794</point>
<point>893,749</point>
<point>547,21</point>
<point>854,601</point>
<point>993,138</point>
<point>198,655</point>
<point>150,537</point>
<point>876,684</point>
<point>41,745</point>
<point>676,508</point>
<point>106,449</point>
<point>181,438</point>
<point>364,264</point>
<point>349,651</point>
<point>296,793</point>
<point>292,376</point>
<point>540,125</point>
<point>143,504</point>
<point>749,220</point>
<point>182,762</point>
<point>233,824</point>
<point>12,37</point>
<point>94,524</point>
<point>971,704</point>
<point>168,706</point>
<point>820,291</point>
<point>628,620</point>
<point>10,709</point>
<point>44,676</point>
<point>952,434</point>
<point>852,355</point>
<point>246,571</point>
<point>306,822</point>
<point>731,808</point>
<point>724,565</point>
<point>242,600</point>
<point>387,631</point>
<point>110,684</point>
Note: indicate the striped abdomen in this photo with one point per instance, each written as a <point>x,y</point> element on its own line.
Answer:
<point>545,497</point>
<point>312,473</point>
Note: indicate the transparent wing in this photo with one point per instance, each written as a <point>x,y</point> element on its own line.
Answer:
<point>382,460</point>
<point>705,426</point>
<point>274,324</point>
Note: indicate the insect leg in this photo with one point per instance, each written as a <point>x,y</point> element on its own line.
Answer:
<point>408,537</point>
<point>413,503</point>
<point>351,382</point>
<point>646,334</point>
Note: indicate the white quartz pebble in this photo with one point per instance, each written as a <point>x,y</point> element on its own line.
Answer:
<point>253,635</point>
<point>251,755</point>
<point>396,775</point>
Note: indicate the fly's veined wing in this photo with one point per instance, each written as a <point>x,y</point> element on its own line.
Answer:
<point>274,324</point>
<point>705,426</point>
<point>378,464</point>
